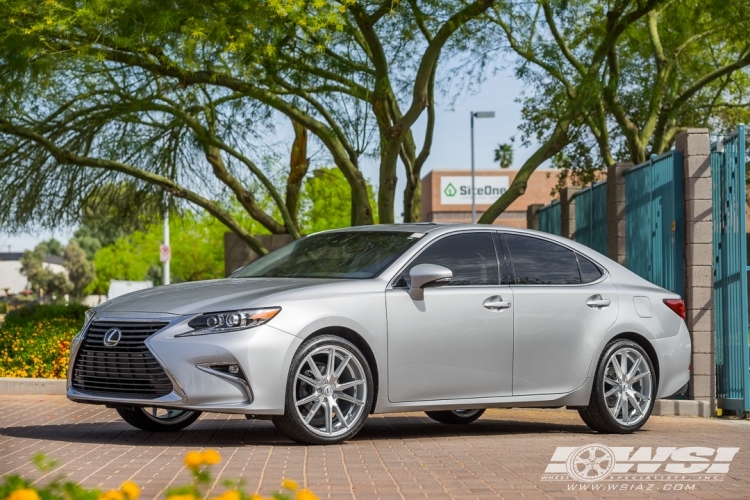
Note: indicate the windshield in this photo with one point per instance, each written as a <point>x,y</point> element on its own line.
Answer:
<point>354,255</point>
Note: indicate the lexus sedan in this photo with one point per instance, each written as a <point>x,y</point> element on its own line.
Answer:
<point>445,319</point>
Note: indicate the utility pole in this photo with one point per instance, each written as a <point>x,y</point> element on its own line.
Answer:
<point>477,114</point>
<point>165,251</point>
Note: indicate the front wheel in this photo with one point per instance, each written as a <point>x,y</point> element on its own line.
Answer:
<point>329,392</point>
<point>455,416</point>
<point>624,390</point>
<point>158,419</point>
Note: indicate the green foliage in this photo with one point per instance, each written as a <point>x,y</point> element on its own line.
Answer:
<point>80,270</point>
<point>326,202</point>
<point>41,278</point>
<point>35,341</point>
<point>504,154</point>
<point>197,243</point>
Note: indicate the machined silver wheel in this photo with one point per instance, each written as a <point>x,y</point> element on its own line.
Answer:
<point>330,391</point>
<point>467,413</point>
<point>628,386</point>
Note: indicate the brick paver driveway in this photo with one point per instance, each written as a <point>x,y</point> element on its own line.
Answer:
<point>405,456</point>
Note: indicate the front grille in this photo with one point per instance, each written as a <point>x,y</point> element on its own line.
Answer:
<point>127,369</point>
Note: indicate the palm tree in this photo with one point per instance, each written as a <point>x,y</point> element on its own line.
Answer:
<point>504,155</point>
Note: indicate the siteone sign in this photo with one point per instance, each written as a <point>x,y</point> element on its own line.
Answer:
<point>456,190</point>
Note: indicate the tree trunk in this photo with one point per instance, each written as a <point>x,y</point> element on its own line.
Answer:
<point>298,165</point>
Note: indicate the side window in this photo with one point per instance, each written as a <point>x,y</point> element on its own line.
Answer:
<point>590,272</point>
<point>471,257</point>
<point>540,262</point>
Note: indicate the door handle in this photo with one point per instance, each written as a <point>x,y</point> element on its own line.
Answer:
<point>597,302</point>
<point>496,303</point>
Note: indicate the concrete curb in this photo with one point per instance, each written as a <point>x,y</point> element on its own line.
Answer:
<point>681,407</point>
<point>32,386</point>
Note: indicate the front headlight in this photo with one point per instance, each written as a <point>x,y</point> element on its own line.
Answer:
<point>230,321</point>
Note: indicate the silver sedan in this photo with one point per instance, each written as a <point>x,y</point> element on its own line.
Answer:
<point>446,319</point>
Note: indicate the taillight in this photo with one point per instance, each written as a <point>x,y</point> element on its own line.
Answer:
<point>677,305</point>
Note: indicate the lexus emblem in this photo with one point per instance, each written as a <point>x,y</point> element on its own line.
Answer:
<point>112,337</point>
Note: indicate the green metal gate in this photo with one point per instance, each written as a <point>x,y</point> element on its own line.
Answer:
<point>730,271</point>
<point>653,219</point>
<point>549,218</point>
<point>591,217</point>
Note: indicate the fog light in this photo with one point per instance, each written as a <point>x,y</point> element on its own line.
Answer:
<point>234,369</point>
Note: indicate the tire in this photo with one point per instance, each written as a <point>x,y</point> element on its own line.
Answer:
<point>455,416</point>
<point>328,413</point>
<point>611,409</point>
<point>158,419</point>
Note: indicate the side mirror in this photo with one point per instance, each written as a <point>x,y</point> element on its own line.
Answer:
<point>424,275</point>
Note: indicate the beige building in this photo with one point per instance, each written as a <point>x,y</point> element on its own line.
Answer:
<point>446,194</point>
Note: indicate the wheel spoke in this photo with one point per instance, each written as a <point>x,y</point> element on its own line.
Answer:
<point>340,414</point>
<point>346,397</point>
<point>314,368</point>
<point>329,417</point>
<point>643,398</point>
<point>331,361</point>
<point>635,404</point>
<point>313,411</point>
<point>618,404</point>
<point>616,366</point>
<point>341,367</point>
<point>640,376</point>
<point>311,397</point>
<point>349,385</point>
<point>307,380</point>
<point>634,368</point>
<point>624,364</point>
<point>609,381</point>
<point>625,410</point>
<point>610,392</point>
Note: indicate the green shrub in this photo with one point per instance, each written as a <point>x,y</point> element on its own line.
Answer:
<point>35,341</point>
<point>3,307</point>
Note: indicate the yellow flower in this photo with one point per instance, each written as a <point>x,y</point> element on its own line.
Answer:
<point>305,495</point>
<point>193,460</point>
<point>211,457</point>
<point>112,495</point>
<point>25,494</point>
<point>256,496</point>
<point>289,484</point>
<point>186,496</point>
<point>230,495</point>
<point>131,490</point>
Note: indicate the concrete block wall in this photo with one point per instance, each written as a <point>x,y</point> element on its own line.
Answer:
<point>532,216</point>
<point>695,147</point>
<point>568,211</point>
<point>616,228</point>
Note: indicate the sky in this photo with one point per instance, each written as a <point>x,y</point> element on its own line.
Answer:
<point>450,149</point>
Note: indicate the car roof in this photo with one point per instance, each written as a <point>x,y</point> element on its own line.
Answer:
<point>409,227</point>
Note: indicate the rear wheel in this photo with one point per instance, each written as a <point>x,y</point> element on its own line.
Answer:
<point>624,390</point>
<point>329,392</point>
<point>158,419</point>
<point>455,416</point>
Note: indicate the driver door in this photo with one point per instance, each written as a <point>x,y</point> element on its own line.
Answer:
<point>452,344</point>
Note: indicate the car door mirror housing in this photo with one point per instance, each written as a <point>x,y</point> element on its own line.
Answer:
<point>427,275</point>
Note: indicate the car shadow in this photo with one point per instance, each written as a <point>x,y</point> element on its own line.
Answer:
<point>239,432</point>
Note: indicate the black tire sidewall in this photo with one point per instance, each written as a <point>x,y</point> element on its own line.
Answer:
<point>137,418</point>
<point>597,391</point>
<point>291,423</point>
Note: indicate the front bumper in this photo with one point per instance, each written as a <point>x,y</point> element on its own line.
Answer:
<point>263,354</point>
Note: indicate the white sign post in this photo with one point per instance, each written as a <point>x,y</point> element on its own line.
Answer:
<point>456,190</point>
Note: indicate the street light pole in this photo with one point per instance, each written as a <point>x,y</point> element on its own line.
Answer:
<point>478,114</point>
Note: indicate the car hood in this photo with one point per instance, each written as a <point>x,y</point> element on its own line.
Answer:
<point>207,296</point>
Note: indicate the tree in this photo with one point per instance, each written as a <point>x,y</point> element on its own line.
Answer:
<point>41,278</point>
<point>327,201</point>
<point>172,95</point>
<point>619,86</point>
<point>80,269</point>
<point>504,154</point>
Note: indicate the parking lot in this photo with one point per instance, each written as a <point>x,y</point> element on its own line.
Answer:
<point>503,455</point>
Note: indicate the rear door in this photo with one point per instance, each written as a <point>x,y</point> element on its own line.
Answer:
<point>564,303</point>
